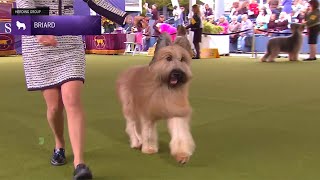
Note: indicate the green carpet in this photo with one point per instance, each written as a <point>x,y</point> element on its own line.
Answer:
<point>251,121</point>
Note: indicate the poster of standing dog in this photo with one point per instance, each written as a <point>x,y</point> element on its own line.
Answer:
<point>159,91</point>
<point>291,44</point>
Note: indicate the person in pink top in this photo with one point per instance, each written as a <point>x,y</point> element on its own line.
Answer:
<point>224,24</point>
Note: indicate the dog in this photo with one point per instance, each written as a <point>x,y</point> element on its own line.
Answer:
<point>21,25</point>
<point>182,39</point>
<point>291,44</point>
<point>159,91</point>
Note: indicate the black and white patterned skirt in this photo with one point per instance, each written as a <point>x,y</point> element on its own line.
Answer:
<point>49,67</point>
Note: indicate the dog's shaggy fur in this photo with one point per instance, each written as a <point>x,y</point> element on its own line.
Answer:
<point>290,44</point>
<point>159,91</point>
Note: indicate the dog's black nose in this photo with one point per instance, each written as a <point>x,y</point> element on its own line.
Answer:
<point>178,73</point>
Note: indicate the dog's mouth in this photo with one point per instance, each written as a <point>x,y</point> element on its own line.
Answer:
<point>176,77</point>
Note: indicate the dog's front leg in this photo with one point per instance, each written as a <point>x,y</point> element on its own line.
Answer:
<point>182,144</point>
<point>133,131</point>
<point>149,136</point>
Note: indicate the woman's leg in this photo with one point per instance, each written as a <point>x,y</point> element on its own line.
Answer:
<point>55,114</point>
<point>313,50</point>
<point>71,96</point>
<point>197,47</point>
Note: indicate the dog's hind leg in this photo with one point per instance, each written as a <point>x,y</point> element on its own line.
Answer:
<point>149,136</point>
<point>182,144</point>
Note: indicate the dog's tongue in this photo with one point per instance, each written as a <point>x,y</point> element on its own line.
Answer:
<point>173,80</point>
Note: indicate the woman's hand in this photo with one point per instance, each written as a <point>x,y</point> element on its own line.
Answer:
<point>47,40</point>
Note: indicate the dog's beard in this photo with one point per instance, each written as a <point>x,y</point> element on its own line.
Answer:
<point>176,78</point>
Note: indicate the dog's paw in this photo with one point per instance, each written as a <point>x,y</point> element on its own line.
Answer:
<point>135,145</point>
<point>182,158</point>
<point>149,150</point>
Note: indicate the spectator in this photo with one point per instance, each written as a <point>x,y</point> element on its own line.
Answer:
<point>182,15</point>
<point>301,16</point>
<point>274,7</point>
<point>155,27</point>
<point>287,6</point>
<point>243,8</point>
<point>297,6</point>
<point>233,27</point>
<point>224,24</point>
<point>154,12</point>
<point>234,9</point>
<point>211,19</point>
<point>253,11</point>
<point>176,14</point>
<point>262,21</point>
<point>208,11</point>
<point>282,23</point>
<point>246,24</point>
<point>147,36</point>
<point>272,25</point>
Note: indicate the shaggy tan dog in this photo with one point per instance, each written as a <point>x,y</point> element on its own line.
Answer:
<point>290,44</point>
<point>159,91</point>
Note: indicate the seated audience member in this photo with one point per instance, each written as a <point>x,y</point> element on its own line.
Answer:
<point>244,5</point>
<point>253,11</point>
<point>211,20</point>
<point>233,27</point>
<point>297,6</point>
<point>301,16</point>
<point>262,21</point>
<point>246,24</point>
<point>155,27</point>
<point>282,23</point>
<point>234,9</point>
<point>243,9</point>
<point>272,25</point>
<point>224,24</point>
<point>287,6</point>
<point>208,11</point>
<point>274,7</point>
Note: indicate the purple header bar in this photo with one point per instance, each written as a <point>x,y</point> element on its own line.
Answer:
<point>56,25</point>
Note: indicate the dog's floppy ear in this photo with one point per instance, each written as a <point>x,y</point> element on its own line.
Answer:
<point>164,40</point>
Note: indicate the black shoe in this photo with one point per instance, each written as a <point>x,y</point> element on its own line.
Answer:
<point>82,172</point>
<point>196,58</point>
<point>58,157</point>
<point>310,59</point>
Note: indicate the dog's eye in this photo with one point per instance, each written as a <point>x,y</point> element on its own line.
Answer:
<point>169,58</point>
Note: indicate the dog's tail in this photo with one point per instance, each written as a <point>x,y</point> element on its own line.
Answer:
<point>163,40</point>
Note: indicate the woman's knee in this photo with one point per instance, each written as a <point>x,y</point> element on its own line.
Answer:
<point>71,101</point>
<point>71,95</point>
<point>53,101</point>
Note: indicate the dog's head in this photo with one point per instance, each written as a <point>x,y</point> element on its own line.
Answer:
<point>297,27</point>
<point>181,31</point>
<point>171,62</point>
